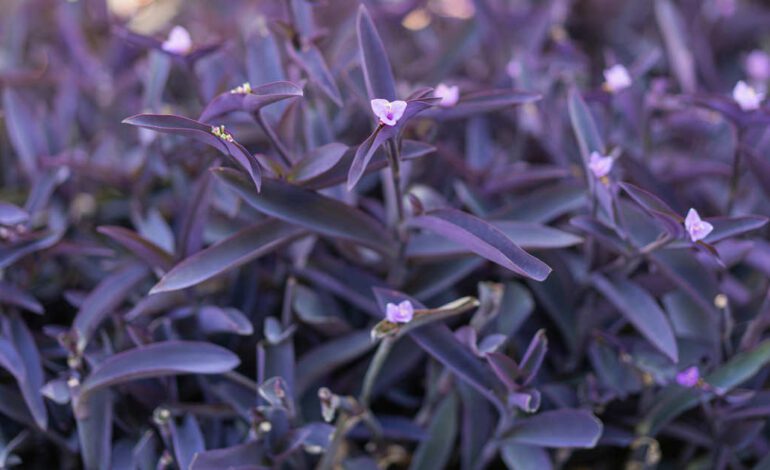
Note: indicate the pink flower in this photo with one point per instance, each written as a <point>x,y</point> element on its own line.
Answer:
<point>448,94</point>
<point>747,97</point>
<point>697,228</point>
<point>178,42</point>
<point>401,313</point>
<point>758,65</point>
<point>600,165</point>
<point>616,78</point>
<point>389,112</point>
<point>688,377</point>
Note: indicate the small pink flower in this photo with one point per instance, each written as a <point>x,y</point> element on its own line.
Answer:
<point>600,165</point>
<point>448,94</point>
<point>758,65</point>
<point>401,313</point>
<point>688,377</point>
<point>747,97</point>
<point>616,78</point>
<point>513,69</point>
<point>697,228</point>
<point>389,112</point>
<point>178,42</point>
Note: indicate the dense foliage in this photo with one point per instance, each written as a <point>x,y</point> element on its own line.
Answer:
<point>406,234</point>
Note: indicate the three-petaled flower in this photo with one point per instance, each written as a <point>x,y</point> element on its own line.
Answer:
<point>401,313</point>
<point>600,165</point>
<point>388,112</point>
<point>616,78</point>
<point>747,97</point>
<point>688,377</point>
<point>448,94</point>
<point>178,42</point>
<point>697,229</point>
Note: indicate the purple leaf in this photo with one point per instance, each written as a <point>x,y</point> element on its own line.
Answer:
<point>187,440</point>
<point>231,457</point>
<point>437,448</point>
<point>32,380</point>
<point>374,59</point>
<point>252,101</point>
<point>656,207</point>
<point>309,58</point>
<point>558,428</point>
<point>326,358</point>
<point>483,239</point>
<point>641,309</point>
<point>317,162</point>
<point>94,423</point>
<point>24,129</point>
<point>201,132</point>
<point>505,369</point>
<point>11,295</point>
<point>525,457</point>
<point>533,357</point>
<point>679,50</point>
<point>311,210</point>
<point>584,127</point>
<point>524,234</point>
<point>11,214</point>
<point>103,300</point>
<point>158,360</point>
<point>144,249</point>
<point>232,252</point>
<point>482,102</point>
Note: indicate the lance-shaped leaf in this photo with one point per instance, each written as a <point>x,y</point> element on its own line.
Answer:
<point>524,457</point>
<point>201,132</point>
<point>366,150</point>
<point>317,162</point>
<point>584,126</point>
<point>327,357</point>
<point>159,360</point>
<point>231,457</point>
<point>525,234</point>
<point>558,428</point>
<point>144,249</point>
<point>482,102</point>
<point>24,129</point>
<point>33,378</point>
<point>680,57</point>
<point>94,423</point>
<point>655,207</point>
<point>436,450</point>
<point>482,238</point>
<point>11,214</point>
<point>311,210</point>
<point>250,100</point>
<point>12,295</point>
<point>232,252</point>
<point>641,309</point>
<point>187,440</point>
<point>310,59</point>
<point>533,357</point>
<point>103,300</point>
<point>374,59</point>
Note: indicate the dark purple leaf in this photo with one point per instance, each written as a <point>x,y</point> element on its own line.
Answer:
<point>311,210</point>
<point>11,295</point>
<point>483,239</point>
<point>482,102</point>
<point>436,450</point>
<point>317,162</point>
<point>158,360</point>
<point>374,59</point>
<point>525,457</point>
<point>252,101</point>
<point>232,252</point>
<point>309,58</point>
<point>187,440</point>
<point>144,249</point>
<point>680,58</point>
<point>103,300</point>
<point>11,214</point>
<point>558,428</point>
<point>233,457</point>
<point>201,132</point>
<point>641,309</point>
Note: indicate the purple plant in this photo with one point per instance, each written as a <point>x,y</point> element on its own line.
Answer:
<point>406,234</point>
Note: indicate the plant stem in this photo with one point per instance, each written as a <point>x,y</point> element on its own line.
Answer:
<point>395,168</point>
<point>736,175</point>
<point>383,350</point>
